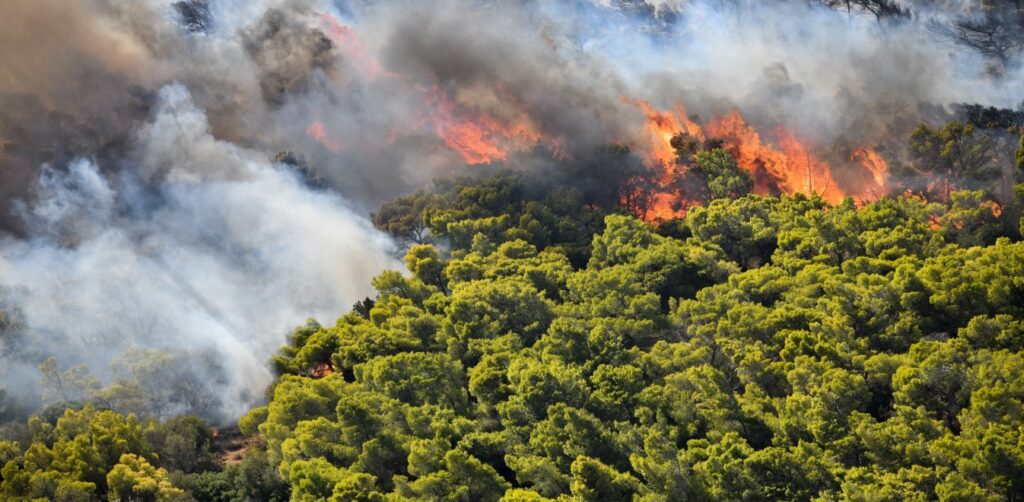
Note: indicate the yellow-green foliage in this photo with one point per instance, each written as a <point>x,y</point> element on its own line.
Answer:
<point>784,351</point>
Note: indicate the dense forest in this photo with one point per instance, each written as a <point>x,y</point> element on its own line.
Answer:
<point>546,344</point>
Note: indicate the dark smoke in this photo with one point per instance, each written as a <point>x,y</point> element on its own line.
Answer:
<point>195,15</point>
<point>288,55</point>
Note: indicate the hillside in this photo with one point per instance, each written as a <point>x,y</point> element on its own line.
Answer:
<point>763,348</point>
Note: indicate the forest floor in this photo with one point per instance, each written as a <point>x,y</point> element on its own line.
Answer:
<point>232,445</point>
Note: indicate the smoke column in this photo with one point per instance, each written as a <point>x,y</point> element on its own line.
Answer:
<point>226,253</point>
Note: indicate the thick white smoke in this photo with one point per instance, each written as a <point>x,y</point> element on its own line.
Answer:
<point>833,77</point>
<point>210,248</point>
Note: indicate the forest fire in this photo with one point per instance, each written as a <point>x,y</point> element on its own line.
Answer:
<point>789,166</point>
<point>778,163</point>
<point>802,172</point>
<point>662,127</point>
<point>478,137</point>
<point>353,48</point>
<point>660,154</point>
<point>480,250</point>
<point>876,165</point>
<point>317,132</point>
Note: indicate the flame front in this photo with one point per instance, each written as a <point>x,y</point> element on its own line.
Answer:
<point>802,172</point>
<point>660,154</point>
<point>763,163</point>
<point>482,133</point>
<point>478,137</point>
<point>661,128</point>
<point>788,166</point>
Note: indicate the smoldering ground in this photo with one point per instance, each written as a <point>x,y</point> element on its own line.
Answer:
<point>141,209</point>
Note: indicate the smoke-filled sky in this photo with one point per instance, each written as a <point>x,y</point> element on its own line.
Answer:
<point>140,205</point>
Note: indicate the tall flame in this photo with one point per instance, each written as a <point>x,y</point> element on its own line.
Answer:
<point>477,136</point>
<point>661,128</point>
<point>763,163</point>
<point>482,136</point>
<point>873,163</point>
<point>802,172</point>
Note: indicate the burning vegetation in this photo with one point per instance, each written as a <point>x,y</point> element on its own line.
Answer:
<point>786,165</point>
<point>495,130</point>
<point>667,143</point>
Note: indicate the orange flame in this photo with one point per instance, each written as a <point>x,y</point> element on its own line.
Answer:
<point>479,137</point>
<point>789,166</point>
<point>873,163</point>
<point>353,48</point>
<point>665,206</point>
<point>997,209</point>
<point>322,370</point>
<point>803,172</point>
<point>763,163</point>
<point>661,128</point>
<point>317,132</point>
<point>658,153</point>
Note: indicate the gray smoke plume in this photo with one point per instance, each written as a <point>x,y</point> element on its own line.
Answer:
<point>139,208</point>
<point>225,253</point>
